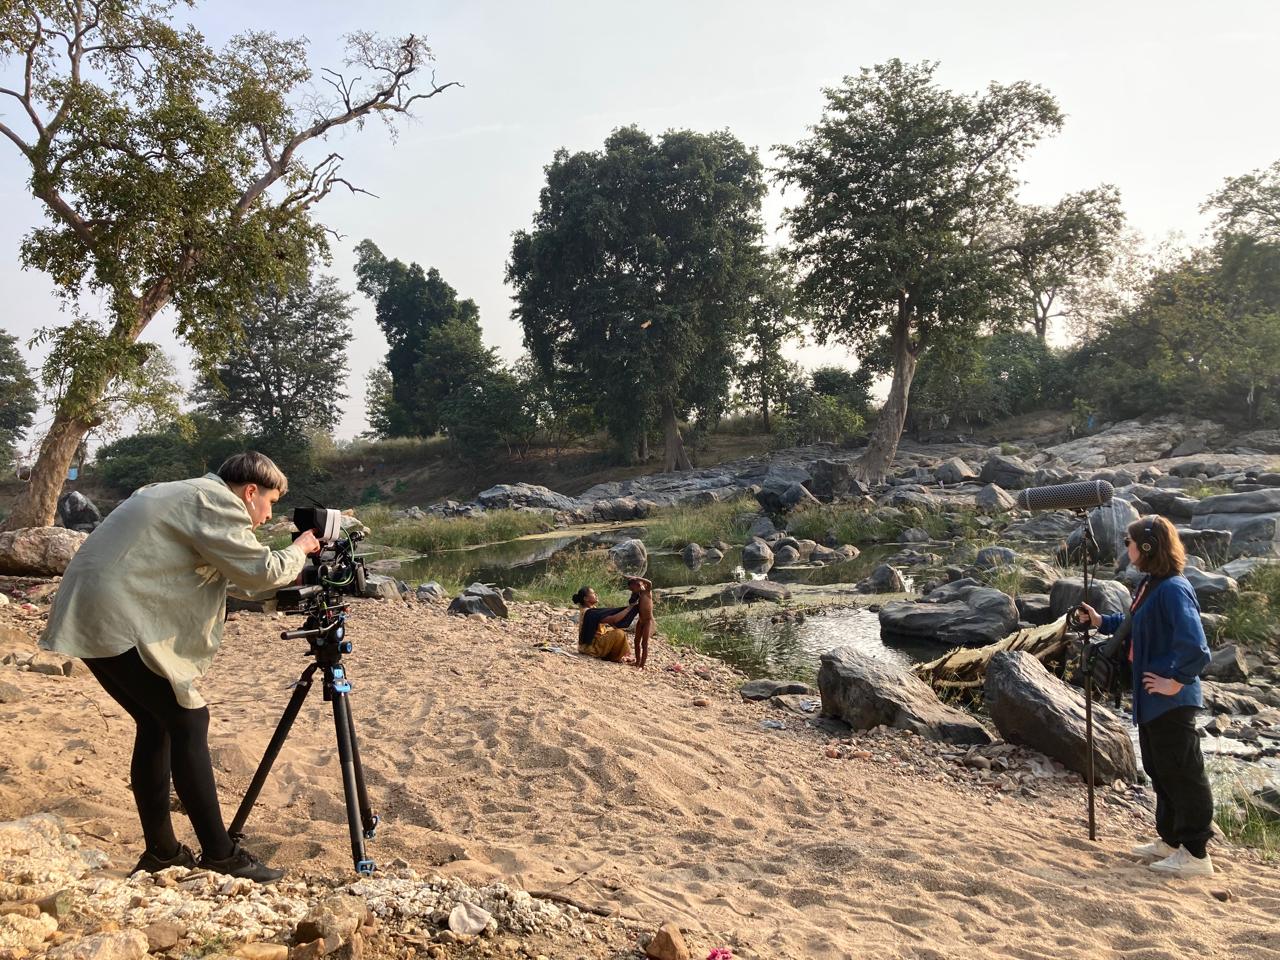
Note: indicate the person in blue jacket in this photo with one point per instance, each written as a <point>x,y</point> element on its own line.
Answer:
<point>1167,652</point>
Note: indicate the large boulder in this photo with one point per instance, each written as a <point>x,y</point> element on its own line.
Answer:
<point>630,556</point>
<point>1242,569</point>
<point>1252,534</point>
<point>380,587</point>
<point>621,508</point>
<point>883,579</point>
<point>506,496</point>
<point>1214,544</point>
<point>481,599</point>
<point>780,495</point>
<point>1168,503</point>
<point>1255,501</point>
<point>753,590</point>
<point>77,512</point>
<point>38,551</point>
<point>1108,524</point>
<point>757,555</point>
<point>993,499</point>
<point>834,480</point>
<point>1105,596</point>
<point>1032,707</point>
<point>1227,665</point>
<point>1133,441</point>
<point>989,558</point>
<point>963,613</point>
<point>1009,473</point>
<point>866,693</point>
<point>693,555</point>
<point>1211,588</point>
<point>954,470</point>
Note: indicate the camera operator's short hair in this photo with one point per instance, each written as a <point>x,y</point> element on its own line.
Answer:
<point>1160,549</point>
<point>253,467</point>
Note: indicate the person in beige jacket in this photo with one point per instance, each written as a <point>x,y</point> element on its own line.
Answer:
<point>143,603</point>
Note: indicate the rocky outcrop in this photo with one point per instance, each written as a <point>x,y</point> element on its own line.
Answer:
<point>1105,596</point>
<point>620,509</point>
<point>1133,441</point>
<point>834,480</point>
<point>481,599</point>
<point>993,499</point>
<point>867,693</point>
<point>753,590</point>
<point>1211,588</point>
<point>1008,473</point>
<point>1032,707</point>
<point>508,496</point>
<point>1252,518</point>
<point>963,613</point>
<point>78,512</point>
<point>38,551</point>
<point>955,470</point>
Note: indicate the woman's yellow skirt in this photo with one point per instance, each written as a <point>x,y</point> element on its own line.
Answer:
<point>610,643</point>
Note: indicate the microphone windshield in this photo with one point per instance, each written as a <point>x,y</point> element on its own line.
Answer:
<point>1067,496</point>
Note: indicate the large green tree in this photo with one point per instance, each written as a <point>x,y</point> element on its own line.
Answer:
<point>433,338</point>
<point>172,175</point>
<point>285,376</point>
<point>634,281</point>
<point>772,320</point>
<point>906,186</point>
<point>18,398</point>
<point>1060,250</point>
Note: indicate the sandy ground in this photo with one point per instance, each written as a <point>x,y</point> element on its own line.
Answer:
<point>490,757</point>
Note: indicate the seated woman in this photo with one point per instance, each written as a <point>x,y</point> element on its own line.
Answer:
<point>600,631</point>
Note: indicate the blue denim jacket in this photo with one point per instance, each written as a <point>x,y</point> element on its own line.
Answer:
<point>1168,641</point>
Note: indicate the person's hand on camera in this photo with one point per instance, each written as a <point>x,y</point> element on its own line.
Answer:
<point>1165,686</point>
<point>1086,614</point>
<point>307,542</point>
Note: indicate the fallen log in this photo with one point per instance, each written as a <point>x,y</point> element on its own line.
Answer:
<point>965,668</point>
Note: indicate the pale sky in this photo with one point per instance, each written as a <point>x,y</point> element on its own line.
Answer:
<point>1165,100</point>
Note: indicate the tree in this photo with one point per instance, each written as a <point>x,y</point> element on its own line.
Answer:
<point>187,447</point>
<point>1058,249</point>
<point>379,404</point>
<point>433,339</point>
<point>1249,205</point>
<point>905,185</point>
<point>18,400</point>
<point>634,280</point>
<point>171,175</point>
<point>485,413</point>
<point>285,377</point>
<point>771,321</point>
<point>850,387</point>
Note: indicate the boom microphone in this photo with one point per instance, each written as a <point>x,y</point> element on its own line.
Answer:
<point>1067,496</point>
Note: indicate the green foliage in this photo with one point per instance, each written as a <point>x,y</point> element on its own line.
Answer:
<point>434,344</point>
<point>489,412</point>
<point>818,419</point>
<point>1252,617</point>
<point>846,523</point>
<point>18,399</point>
<point>191,447</point>
<point>570,570</point>
<point>433,534</point>
<point>850,387</point>
<point>674,527</point>
<point>283,378</point>
<point>634,281</point>
<point>772,320</point>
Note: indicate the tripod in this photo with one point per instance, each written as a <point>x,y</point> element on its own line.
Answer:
<point>324,631</point>
<point>1088,650</point>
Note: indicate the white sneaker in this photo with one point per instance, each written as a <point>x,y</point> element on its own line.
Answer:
<point>1154,851</point>
<point>1184,864</point>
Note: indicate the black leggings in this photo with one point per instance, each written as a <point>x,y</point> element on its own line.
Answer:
<point>171,741</point>
<point>1171,756</point>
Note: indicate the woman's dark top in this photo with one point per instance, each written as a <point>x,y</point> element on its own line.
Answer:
<point>591,621</point>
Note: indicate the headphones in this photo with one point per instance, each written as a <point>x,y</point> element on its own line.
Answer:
<point>1148,534</point>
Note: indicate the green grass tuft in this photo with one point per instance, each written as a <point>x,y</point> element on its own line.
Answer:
<point>572,569</point>
<point>1252,617</point>
<point>674,527</point>
<point>434,534</point>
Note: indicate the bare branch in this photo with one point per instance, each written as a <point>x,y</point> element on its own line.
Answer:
<point>18,141</point>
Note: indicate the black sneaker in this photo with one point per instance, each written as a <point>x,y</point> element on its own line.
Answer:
<point>242,863</point>
<point>150,863</point>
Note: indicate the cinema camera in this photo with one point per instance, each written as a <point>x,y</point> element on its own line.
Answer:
<point>333,571</point>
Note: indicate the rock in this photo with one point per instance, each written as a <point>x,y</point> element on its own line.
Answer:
<point>1105,596</point>
<point>785,556</point>
<point>884,579</point>
<point>1189,447</point>
<point>1196,468</point>
<point>1009,473</point>
<point>506,496</point>
<point>77,512</point>
<point>262,951</point>
<point>1243,568</point>
<point>757,554</point>
<point>9,693</point>
<point>379,587</point>
<point>713,555</point>
<point>693,555</point>
<point>834,480</point>
<point>1252,534</point>
<point>481,599</point>
<point>989,558</point>
<point>779,496</point>
<point>469,920</point>
<point>1133,441</point>
<point>49,664</point>
<point>117,945</point>
<point>38,551</point>
<point>621,508</point>
<point>1206,543</point>
<point>957,614</point>
<point>1220,699</point>
<point>821,554</point>
<point>334,920</point>
<point>954,470</point>
<point>667,944</point>
<point>1048,526</point>
<point>1168,503</point>
<point>630,557</point>
<point>914,535</point>
<point>19,934</point>
<point>1034,608</point>
<point>752,590</point>
<point>1211,588</point>
<point>1227,665</point>
<point>993,499</point>
<point>1257,501</point>
<point>866,693</point>
<point>906,497</point>
<point>1266,801</point>
<point>431,593</point>
<point>764,689</point>
<point>162,935</point>
<point>1032,707</point>
<point>762,528</point>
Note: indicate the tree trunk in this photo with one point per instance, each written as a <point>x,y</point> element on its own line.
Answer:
<point>642,445</point>
<point>764,411</point>
<point>874,464</point>
<point>38,502</point>
<point>675,457</point>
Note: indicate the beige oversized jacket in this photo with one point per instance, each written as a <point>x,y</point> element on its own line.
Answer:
<point>155,574</point>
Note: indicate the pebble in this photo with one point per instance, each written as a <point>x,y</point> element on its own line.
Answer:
<point>701,702</point>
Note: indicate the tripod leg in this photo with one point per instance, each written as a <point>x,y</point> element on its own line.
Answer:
<point>367,817</point>
<point>300,690</point>
<point>342,724</point>
<point>1088,727</point>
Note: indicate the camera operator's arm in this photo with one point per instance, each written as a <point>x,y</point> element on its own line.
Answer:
<point>221,534</point>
